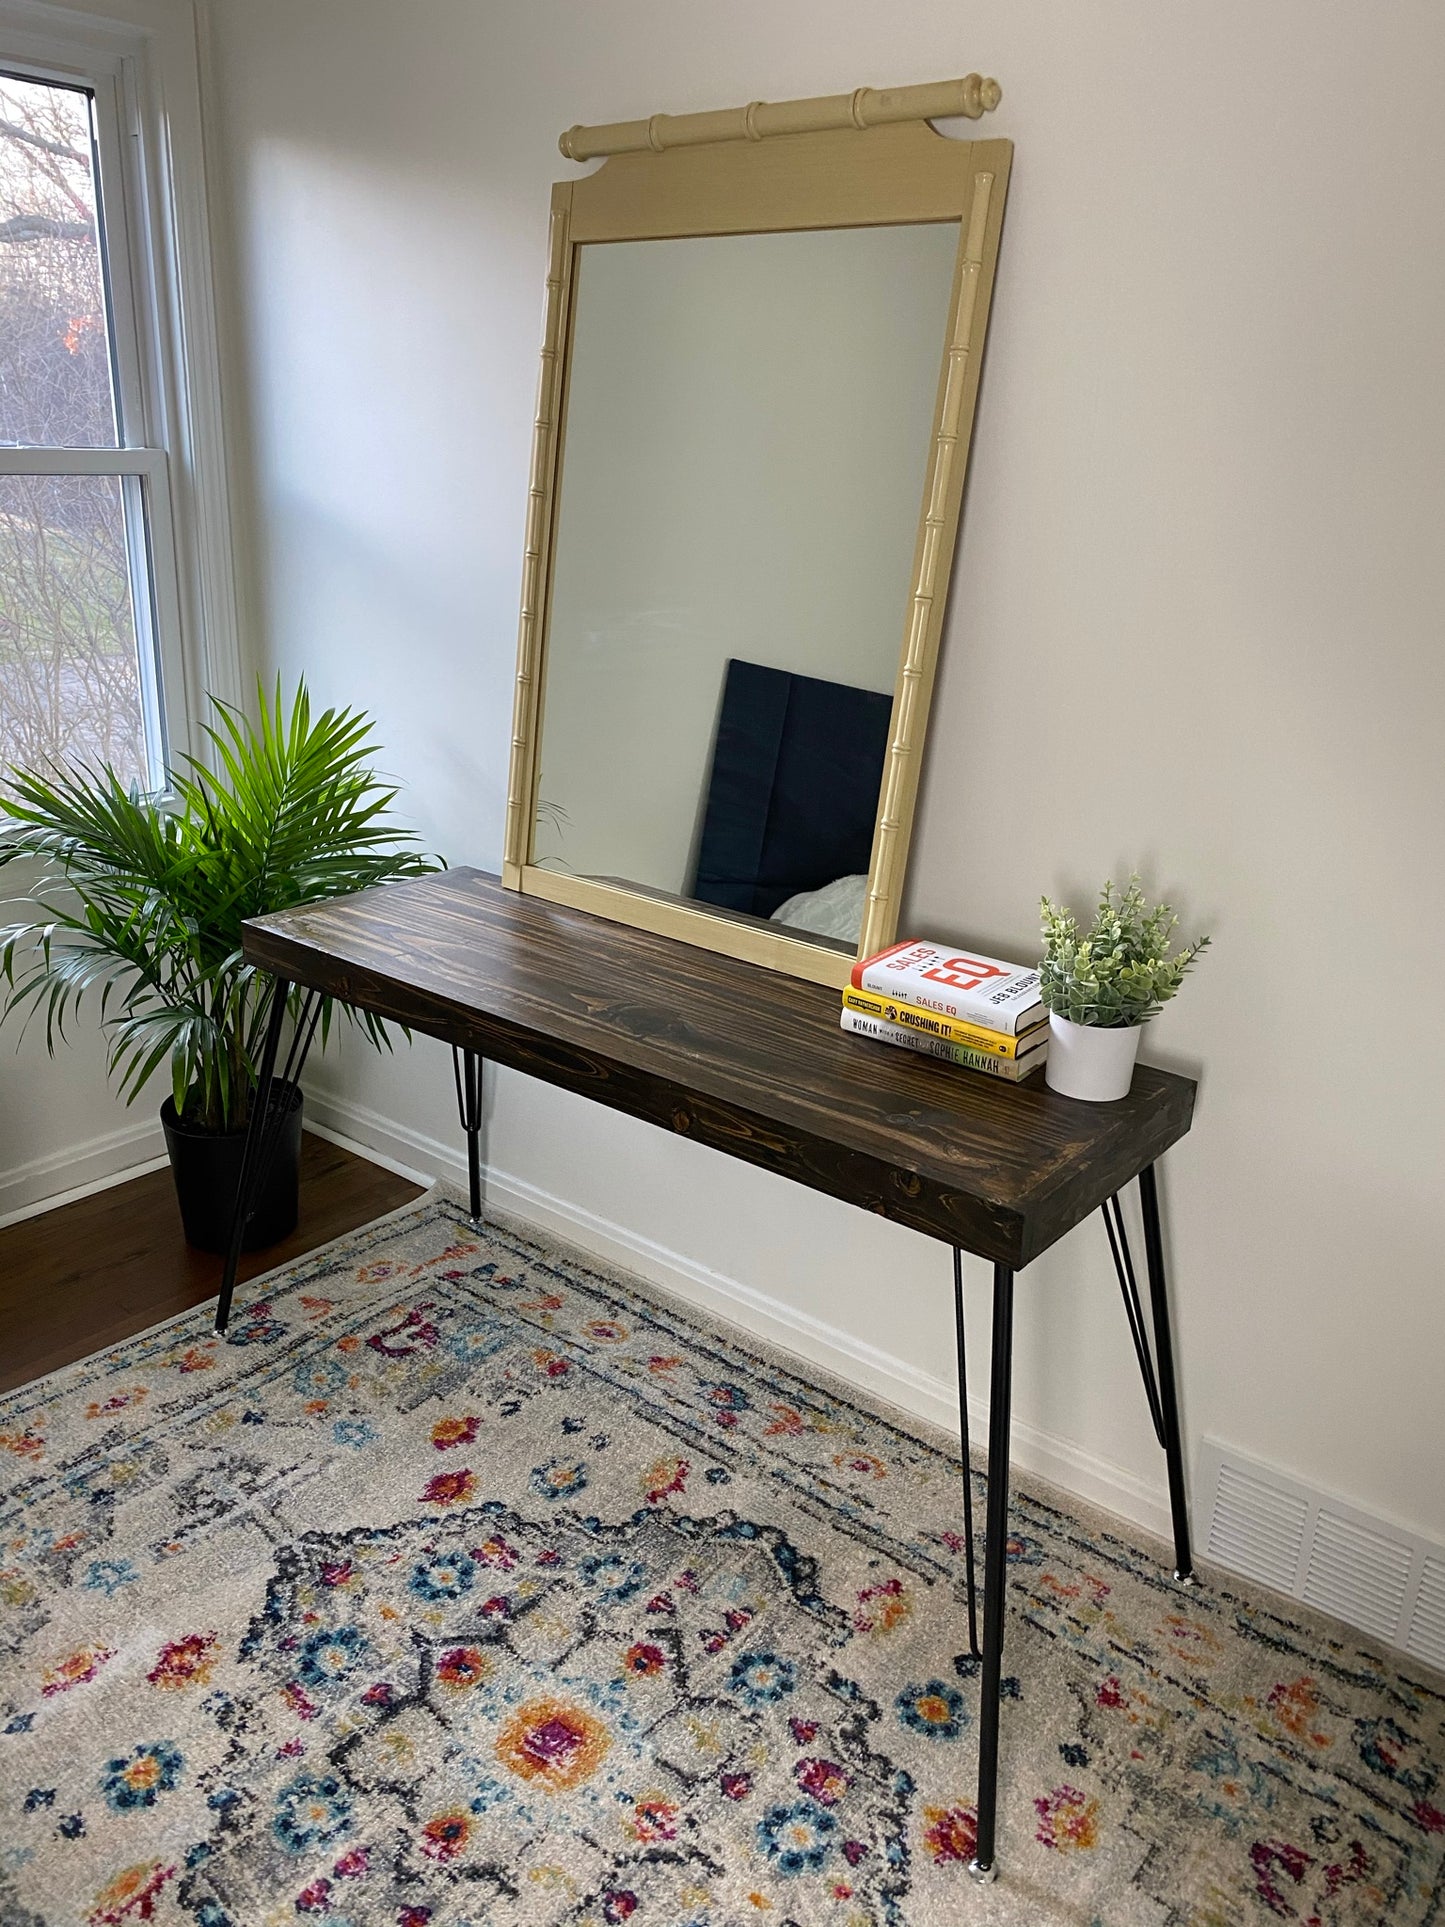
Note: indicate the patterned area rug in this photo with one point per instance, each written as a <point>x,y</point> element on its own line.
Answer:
<point>462,1584</point>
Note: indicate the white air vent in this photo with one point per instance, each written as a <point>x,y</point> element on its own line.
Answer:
<point>1369,1572</point>
<point>1356,1574</point>
<point>1426,1638</point>
<point>1256,1528</point>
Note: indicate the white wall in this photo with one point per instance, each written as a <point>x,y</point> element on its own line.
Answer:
<point>61,1126</point>
<point>1201,575</point>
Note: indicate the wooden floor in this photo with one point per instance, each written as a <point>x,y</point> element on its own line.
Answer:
<point>88,1274</point>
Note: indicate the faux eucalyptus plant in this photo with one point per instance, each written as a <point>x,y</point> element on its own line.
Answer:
<point>1118,972</point>
<point>142,898</point>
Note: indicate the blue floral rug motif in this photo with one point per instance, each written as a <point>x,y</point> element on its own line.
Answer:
<point>461,1584</point>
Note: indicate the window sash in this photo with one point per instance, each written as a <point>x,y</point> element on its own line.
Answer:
<point>133,294</point>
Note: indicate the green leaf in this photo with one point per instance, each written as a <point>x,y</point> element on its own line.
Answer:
<point>140,905</point>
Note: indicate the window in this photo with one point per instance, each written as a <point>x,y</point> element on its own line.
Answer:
<point>96,418</point>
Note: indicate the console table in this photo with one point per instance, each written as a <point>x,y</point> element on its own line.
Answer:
<point>754,1065</point>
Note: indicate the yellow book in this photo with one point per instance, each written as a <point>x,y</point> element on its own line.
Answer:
<point>932,1023</point>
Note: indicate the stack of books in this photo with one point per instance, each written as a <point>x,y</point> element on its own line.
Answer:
<point>934,998</point>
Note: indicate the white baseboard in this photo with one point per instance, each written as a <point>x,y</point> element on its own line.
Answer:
<point>60,1178</point>
<point>925,1395</point>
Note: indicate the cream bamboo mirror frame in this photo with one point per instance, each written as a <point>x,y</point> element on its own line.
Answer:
<point>862,160</point>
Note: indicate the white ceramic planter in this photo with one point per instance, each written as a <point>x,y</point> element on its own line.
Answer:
<point>1091,1063</point>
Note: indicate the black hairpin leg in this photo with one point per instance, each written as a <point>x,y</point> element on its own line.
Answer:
<point>268,1124</point>
<point>1157,1368</point>
<point>1164,1359</point>
<point>995,1570</point>
<point>967,1462</point>
<point>467,1069</point>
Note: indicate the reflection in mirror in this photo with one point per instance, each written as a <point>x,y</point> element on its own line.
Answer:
<point>747,434</point>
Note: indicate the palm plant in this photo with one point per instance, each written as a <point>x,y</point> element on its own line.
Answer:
<point>142,899</point>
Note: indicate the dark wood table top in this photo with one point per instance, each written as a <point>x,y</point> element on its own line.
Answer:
<point>737,1057</point>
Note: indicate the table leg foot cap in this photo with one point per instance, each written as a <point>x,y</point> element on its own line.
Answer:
<point>981,1871</point>
<point>1185,1578</point>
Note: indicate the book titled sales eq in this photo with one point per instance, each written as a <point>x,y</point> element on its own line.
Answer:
<point>943,1002</point>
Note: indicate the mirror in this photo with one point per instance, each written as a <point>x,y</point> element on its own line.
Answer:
<point>744,516</point>
<point>747,433</point>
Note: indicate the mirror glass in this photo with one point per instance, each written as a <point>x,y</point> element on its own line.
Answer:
<point>746,436</point>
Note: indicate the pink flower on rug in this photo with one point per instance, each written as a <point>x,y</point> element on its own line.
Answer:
<point>1269,1857</point>
<point>1428,1817</point>
<point>297,1699</point>
<point>463,1667</point>
<point>824,1779</point>
<point>117,1402</point>
<point>450,1488</point>
<point>654,1820</point>
<point>882,1607</point>
<point>667,1476</point>
<point>553,1744</point>
<point>351,1865</point>
<point>195,1358</point>
<point>607,1331</point>
<point>644,1658</point>
<point>1068,1820</point>
<point>25,1445</point>
<point>950,1833</point>
<point>445,1835</point>
<point>454,1431</point>
<point>863,1462</point>
<point>131,1895</point>
<point>785,1420</point>
<point>1294,1704</point>
<point>184,1662</point>
<point>76,1669</point>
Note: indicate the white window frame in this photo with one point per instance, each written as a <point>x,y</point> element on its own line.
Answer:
<point>139,58</point>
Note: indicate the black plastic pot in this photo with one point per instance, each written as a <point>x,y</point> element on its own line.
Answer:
<point>206,1166</point>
